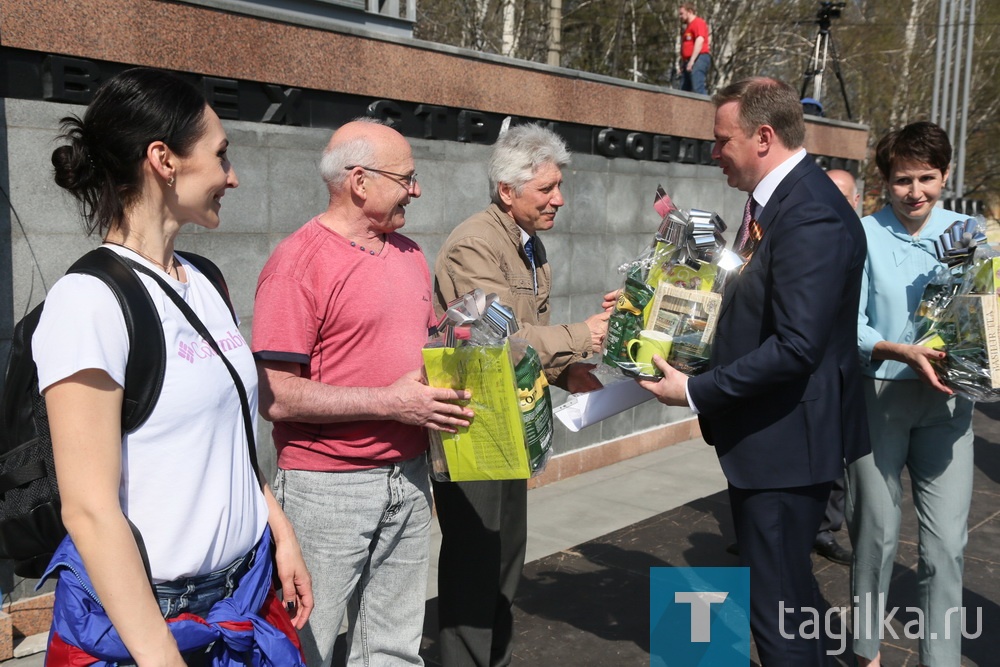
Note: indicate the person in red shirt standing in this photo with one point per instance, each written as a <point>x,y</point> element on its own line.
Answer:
<point>695,59</point>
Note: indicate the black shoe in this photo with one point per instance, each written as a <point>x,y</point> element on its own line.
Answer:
<point>733,548</point>
<point>832,551</point>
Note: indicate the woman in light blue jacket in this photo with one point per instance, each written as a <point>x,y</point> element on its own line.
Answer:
<point>915,421</point>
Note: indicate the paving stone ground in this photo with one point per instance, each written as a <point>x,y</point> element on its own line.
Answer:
<point>589,605</point>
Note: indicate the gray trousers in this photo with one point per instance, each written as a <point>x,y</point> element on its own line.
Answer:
<point>929,433</point>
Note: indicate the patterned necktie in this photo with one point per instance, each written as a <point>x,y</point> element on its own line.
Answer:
<point>744,233</point>
<point>529,250</point>
<point>750,232</point>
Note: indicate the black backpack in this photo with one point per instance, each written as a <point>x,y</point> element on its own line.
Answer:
<point>30,523</point>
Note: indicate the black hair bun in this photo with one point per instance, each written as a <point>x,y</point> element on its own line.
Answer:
<point>73,164</point>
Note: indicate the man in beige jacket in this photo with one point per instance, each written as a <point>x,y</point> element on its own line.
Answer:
<point>484,524</point>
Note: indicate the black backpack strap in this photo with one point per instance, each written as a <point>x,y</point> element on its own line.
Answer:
<point>214,275</point>
<point>147,354</point>
<point>202,330</point>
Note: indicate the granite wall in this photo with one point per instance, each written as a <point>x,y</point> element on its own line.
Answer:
<point>606,221</point>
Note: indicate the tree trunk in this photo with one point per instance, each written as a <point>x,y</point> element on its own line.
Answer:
<point>900,107</point>
<point>555,33</point>
<point>509,44</point>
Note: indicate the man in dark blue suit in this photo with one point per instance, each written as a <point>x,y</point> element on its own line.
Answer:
<point>782,402</point>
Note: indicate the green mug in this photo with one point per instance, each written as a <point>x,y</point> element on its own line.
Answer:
<point>641,350</point>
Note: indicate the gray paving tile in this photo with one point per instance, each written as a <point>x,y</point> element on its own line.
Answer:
<point>655,490</point>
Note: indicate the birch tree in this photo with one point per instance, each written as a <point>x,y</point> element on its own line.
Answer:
<point>901,93</point>
<point>509,41</point>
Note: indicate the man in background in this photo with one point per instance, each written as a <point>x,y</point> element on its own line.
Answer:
<point>847,185</point>
<point>695,59</point>
<point>826,544</point>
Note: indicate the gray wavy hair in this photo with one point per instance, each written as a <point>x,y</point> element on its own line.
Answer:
<point>520,152</point>
<point>359,151</point>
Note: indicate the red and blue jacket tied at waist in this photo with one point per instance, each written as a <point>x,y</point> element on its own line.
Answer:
<point>249,628</point>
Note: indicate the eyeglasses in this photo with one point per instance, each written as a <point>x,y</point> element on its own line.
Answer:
<point>409,181</point>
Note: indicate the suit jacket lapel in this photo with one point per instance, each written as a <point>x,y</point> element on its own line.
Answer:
<point>784,188</point>
<point>768,215</point>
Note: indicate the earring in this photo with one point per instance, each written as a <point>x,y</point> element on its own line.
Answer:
<point>170,183</point>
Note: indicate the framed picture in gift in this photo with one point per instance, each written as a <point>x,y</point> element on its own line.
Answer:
<point>680,312</point>
<point>690,318</point>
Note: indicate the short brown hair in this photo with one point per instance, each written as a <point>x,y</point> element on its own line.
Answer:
<point>765,101</point>
<point>918,142</point>
<point>690,7</point>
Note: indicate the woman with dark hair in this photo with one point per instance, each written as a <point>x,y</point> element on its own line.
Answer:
<point>915,421</point>
<point>179,492</point>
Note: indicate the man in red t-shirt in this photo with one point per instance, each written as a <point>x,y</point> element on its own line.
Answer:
<point>341,315</point>
<point>695,59</point>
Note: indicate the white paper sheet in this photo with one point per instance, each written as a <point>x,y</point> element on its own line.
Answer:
<point>582,410</point>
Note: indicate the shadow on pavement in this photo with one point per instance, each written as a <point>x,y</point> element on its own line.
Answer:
<point>589,605</point>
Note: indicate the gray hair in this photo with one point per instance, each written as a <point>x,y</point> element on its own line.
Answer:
<point>518,154</point>
<point>336,159</point>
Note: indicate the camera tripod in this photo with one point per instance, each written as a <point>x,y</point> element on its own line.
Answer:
<point>825,47</point>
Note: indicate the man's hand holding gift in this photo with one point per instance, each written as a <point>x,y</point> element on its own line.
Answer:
<point>671,388</point>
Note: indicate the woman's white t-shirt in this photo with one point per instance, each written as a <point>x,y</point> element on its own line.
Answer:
<point>187,483</point>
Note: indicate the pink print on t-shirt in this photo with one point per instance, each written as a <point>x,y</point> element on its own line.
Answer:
<point>199,349</point>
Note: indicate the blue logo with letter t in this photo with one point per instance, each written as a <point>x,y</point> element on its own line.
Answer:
<point>699,616</point>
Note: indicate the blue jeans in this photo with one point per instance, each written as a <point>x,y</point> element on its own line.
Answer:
<point>694,81</point>
<point>929,433</point>
<point>365,536</point>
<point>196,595</point>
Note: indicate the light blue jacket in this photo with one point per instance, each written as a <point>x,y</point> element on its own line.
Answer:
<point>897,270</point>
